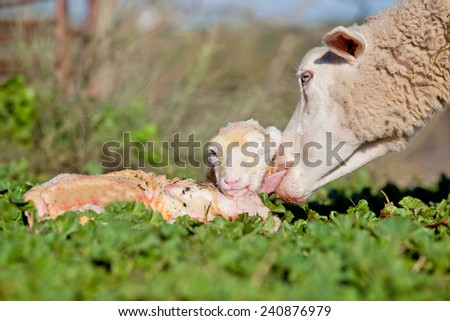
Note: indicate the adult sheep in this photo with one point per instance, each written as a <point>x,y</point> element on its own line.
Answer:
<point>367,92</point>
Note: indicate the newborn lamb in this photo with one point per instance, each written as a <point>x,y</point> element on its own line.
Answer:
<point>170,197</point>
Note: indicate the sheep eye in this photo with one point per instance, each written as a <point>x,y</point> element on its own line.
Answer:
<point>212,152</point>
<point>306,76</point>
<point>213,159</point>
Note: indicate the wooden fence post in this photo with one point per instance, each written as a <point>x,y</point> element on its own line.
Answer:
<point>92,81</point>
<point>99,24</point>
<point>62,54</point>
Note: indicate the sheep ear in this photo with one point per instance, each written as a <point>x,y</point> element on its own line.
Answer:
<point>275,136</point>
<point>274,133</point>
<point>345,43</point>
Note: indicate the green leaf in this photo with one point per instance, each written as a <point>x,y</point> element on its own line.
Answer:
<point>409,202</point>
<point>145,133</point>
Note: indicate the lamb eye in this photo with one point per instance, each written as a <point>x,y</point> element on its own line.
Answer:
<point>212,152</point>
<point>306,76</point>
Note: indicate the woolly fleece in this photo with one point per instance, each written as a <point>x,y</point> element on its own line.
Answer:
<point>398,75</point>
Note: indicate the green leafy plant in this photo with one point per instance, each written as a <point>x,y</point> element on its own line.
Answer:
<point>401,252</point>
<point>18,114</point>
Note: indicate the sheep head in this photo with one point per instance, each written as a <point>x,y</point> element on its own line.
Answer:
<point>365,93</point>
<point>320,124</point>
<point>240,156</point>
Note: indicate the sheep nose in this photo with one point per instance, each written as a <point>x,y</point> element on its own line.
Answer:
<point>232,181</point>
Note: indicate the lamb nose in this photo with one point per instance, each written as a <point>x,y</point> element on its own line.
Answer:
<point>232,181</point>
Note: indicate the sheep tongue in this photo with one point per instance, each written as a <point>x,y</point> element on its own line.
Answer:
<point>271,182</point>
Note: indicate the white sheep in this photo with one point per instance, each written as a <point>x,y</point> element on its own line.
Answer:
<point>171,197</point>
<point>367,92</point>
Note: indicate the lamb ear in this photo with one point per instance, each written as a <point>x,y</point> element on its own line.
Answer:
<point>345,43</point>
<point>275,134</point>
<point>252,122</point>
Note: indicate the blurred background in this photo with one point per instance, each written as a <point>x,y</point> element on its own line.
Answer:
<point>76,74</point>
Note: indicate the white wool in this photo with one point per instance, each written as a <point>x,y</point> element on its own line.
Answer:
<point>399,85</point>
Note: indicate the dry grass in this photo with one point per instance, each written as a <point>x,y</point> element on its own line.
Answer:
<point>187,80</point>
